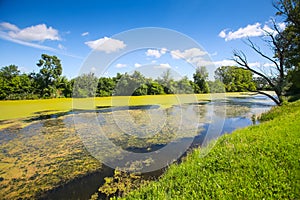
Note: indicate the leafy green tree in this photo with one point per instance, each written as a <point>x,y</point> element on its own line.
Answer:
<point>167,81</point>
<point>236,79</point>
<point>50,72</point>
<point>184,86</point>
<point>85,85</point>
<point>105,87</point>
<point>200,78</point>
<point>154,88</point>
<point>135,84</point>
<point>14,85</point>
<point>289,38</point>
<point>10,71</point>
<point>216,86</point>
<point>64,87</point>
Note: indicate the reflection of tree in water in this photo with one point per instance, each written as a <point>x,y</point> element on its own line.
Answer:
<point>230,109</point>
<point>147,129</point>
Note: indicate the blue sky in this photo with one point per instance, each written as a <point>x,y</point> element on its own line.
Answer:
<point>72,29</point>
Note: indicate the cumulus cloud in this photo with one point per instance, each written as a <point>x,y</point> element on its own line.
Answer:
<point>156,53</point>
<point>251,30</point>
<point>137,65</point>
<point>38,32</point>
<point>194,56</point>
<point>27,36</point>
<point>224,63</point>
<point>120,65</point>
<point>163,66</point>
<point>85,34</point>
<point>108,45</point>
<point>8,26</point>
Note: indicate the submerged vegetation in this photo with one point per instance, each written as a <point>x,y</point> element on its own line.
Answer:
<point>258,162</point>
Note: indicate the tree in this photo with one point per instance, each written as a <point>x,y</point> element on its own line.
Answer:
<point>50,72</point>
<point>167,81</point>
<point>64,87</point>
<point>9,71</point>
<point>14,85</point>
<point>85,85</point>
<point>105,87</point>
<point>154,88</point>
<point>200,78</point>
<point>216,86</point>
<point>183,86</point>
<point>127,85</point>
<point>290,38</point>
<point>285,47</point>
<point>235,78</point>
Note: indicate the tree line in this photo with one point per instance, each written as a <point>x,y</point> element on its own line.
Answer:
<point>49,82</point>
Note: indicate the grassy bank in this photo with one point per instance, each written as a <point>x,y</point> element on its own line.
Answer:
<point>258,162</point>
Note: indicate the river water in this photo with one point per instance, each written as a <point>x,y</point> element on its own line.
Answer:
<point>50,151</point>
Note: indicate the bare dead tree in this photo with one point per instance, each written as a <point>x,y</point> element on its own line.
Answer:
<point>277,83</point>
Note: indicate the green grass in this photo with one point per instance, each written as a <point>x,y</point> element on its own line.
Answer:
<point>258,162</point>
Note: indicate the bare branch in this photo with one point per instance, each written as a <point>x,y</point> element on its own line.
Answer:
<point>257,50</point>
<point>240,59</point>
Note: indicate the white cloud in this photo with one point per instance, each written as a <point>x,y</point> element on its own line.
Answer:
<point>38,32</point>
<point>222,34</point>
<point>120,65</point>
<point>4,36</point>
<point>163,51</point>
<point>163,66</point>
<point>156,53</point>
<point>137,65</point>
<point>60,46</point>
<point>153,52</point>
<point>233,63</point>
<point>194,56</point>
<point>225,63</point>
<point>253,30</point>
<point>254,64</point>
<point>281,25</point>
<point>108,45</point>
<point>188,53</point>
<point>269,65</point>
<point>248,31</point>
<point>12,33</point>
<point>8,26</point>
<point>85,34</point>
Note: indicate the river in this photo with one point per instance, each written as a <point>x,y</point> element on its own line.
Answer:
<point>53,151</point>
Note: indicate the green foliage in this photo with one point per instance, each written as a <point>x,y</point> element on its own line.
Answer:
<point>200,78</point>
<point>184,86</point>
<point>85,85</point>
<point>105,87</point>
<point>258,162</point>
<point>236,79</point>
<point>154,88</point>
<point>48,78</point>
<point>167,81</point>
<point>14,85</point>
<point>216,86</point>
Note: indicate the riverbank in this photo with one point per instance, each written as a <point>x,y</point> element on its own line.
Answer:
<point>257,162</point>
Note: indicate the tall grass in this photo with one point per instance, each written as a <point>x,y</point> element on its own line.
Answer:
<point>258,162</point>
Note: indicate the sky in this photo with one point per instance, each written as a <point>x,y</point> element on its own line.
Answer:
<point>84,33</point>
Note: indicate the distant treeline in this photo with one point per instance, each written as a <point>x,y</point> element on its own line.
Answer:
<point>49,82</point>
